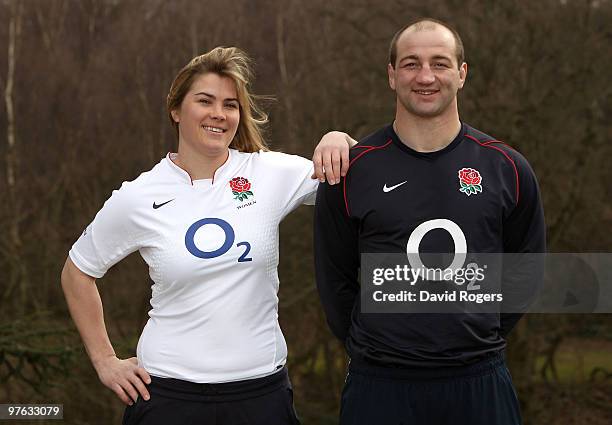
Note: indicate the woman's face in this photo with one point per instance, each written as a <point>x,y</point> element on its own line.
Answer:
<point>209,114</point>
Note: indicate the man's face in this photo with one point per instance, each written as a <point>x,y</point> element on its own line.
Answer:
<point>426,76</point>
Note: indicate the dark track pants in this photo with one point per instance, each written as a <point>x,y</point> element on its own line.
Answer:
<point>479,394</point>
<point>261,401</point>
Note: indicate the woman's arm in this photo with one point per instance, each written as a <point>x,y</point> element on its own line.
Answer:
<point>124,377</point>
<point>331,157</point>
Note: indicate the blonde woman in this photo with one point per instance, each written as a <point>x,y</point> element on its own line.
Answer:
<point>205,219</point>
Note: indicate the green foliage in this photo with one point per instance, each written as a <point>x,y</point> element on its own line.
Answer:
<point>35,351</point>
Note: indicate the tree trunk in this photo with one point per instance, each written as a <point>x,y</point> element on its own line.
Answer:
<point>17,267</point>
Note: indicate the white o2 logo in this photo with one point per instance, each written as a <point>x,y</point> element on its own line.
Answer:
<point>412,247</point>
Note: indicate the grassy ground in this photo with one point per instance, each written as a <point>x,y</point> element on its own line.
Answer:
<point>577,358</point>
<point>577,396</point>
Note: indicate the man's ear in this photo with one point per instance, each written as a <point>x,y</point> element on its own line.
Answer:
<point>463,70</point>
<point>391,74</point>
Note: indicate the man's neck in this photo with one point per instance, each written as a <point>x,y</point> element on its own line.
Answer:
<point>426,134</point>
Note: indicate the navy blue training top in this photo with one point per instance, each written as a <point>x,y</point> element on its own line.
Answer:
<point>389,190</point>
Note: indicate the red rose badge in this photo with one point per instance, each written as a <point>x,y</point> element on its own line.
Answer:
<point>241,188</point>
<point>470,180</point>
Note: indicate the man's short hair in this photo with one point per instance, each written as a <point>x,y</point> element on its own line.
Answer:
<point>426,24</point>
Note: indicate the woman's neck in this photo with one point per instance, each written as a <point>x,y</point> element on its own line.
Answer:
<point>198,165</point>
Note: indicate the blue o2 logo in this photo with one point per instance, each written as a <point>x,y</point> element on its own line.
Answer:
<point>230,237</point>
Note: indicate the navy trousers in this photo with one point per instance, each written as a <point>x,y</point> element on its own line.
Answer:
<point>261,401</point>
<point>478,394</point>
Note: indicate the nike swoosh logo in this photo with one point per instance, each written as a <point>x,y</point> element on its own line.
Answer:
<point>389,189</point>
<point>156,206</point>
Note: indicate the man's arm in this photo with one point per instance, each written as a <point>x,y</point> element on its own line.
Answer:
<point>336,258</point>
<point>525,235</point>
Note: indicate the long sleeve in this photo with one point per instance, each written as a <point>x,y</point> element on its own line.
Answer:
<point>336,258</point>
<point>524,235</point>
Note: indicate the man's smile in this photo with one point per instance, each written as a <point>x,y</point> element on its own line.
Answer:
<point>426,92</point>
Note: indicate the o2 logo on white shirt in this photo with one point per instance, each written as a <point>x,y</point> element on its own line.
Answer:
<point>228,240</point>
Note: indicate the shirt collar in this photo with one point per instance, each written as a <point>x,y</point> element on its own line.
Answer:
<point>184,175</point>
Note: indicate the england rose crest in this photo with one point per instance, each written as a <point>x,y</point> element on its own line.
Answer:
<point>241,188</point>
<point>470,180</point>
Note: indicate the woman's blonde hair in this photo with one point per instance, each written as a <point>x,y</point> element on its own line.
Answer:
<point>235,64</point>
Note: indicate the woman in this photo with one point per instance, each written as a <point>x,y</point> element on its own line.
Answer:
<point>205,219</point>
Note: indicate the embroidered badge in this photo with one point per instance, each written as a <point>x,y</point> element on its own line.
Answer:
<point>241,188</point>
<point>470,180</point>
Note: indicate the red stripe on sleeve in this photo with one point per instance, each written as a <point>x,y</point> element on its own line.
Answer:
<point>369,149</point>
<point>488,145</point>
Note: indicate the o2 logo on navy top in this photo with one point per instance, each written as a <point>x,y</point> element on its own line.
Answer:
<point>230,237</point>
<point>460,252</point>
<point>412,247</point>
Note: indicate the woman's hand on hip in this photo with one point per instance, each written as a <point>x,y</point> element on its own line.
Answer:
<point>124,377</point>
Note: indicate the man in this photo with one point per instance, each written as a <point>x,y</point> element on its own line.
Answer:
<point>432,179</point>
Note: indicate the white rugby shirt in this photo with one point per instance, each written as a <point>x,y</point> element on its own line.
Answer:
<point>212,253</point>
